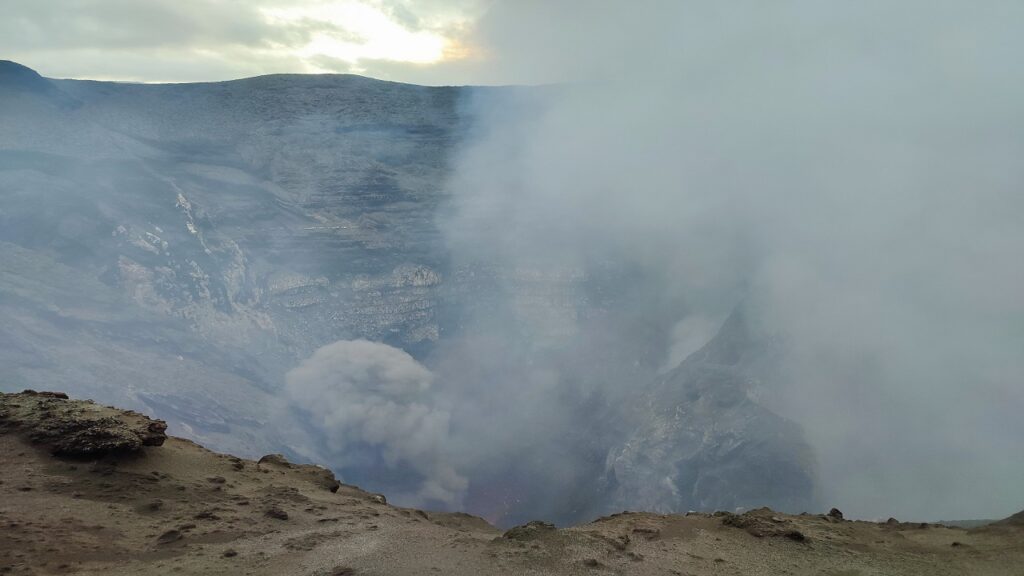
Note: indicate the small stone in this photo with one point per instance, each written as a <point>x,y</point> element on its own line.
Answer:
<point>276,513</point>
<point>273,460</point>
<point>795,535</point>
<point>169,537</point>
<point>648,533</point>
<point>529,531</point>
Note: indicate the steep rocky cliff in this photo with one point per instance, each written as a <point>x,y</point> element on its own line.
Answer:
<point>179,247</point>
<point>176,249</point>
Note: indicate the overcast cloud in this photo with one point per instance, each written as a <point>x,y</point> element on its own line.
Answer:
<point>208,40</point>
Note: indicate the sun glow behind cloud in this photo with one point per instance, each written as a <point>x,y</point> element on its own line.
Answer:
<point>351,31</point>
<point>421,41</point>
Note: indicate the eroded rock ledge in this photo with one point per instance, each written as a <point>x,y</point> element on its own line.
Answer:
<point>182,509</point>
<point>77,428</point>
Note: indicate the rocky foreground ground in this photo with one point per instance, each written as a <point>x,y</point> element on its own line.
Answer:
<point>86,489</point>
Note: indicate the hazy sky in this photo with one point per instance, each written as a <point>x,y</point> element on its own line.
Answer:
<point>429,41</point>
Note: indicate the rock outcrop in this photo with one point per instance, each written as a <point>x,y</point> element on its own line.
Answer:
<point>762,523</point>
<point>317,475</point>
<point>77,429</point>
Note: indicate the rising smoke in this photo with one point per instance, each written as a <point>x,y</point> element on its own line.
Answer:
<point>366,393</point>
<point>851,171</point>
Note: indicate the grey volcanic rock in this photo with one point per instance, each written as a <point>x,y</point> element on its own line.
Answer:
<point>703,443</point>
<point>176,249</point>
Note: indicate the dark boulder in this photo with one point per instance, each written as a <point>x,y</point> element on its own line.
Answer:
<point>530,531</point>
<point>318,475</point>
<point>763,523</point>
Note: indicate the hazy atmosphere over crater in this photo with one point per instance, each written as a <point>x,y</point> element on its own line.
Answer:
<point>700,244</point>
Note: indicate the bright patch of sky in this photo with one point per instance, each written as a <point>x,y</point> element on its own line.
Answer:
<point>422,41</point>
<point>352,31</point>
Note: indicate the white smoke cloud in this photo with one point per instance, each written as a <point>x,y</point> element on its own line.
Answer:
<point>366,392</point>
<point>851,170</point>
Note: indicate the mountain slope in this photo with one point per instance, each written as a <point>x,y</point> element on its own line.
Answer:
<point>178,249</point>
<point>168,506</point>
